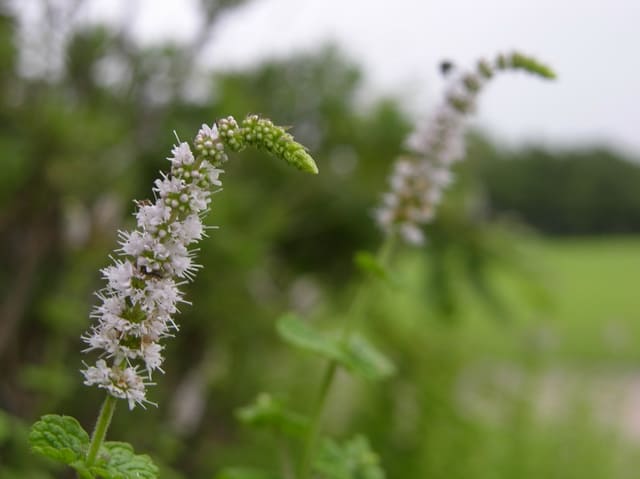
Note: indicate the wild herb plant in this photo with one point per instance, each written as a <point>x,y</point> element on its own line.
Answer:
<point>137,307</point>
<point>417,182</point>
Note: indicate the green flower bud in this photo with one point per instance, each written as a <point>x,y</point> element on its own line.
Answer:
<point>297,156</point>
<point>485,69</point>
<point>231,134</point>
<point>262,134</point>
<point>472,83</point>
<point>501,62</point>
<point>208,144</point>
<point>459,103</point>
<point>517,61</point>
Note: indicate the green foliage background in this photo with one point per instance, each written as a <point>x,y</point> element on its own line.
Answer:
<point>477,328</point>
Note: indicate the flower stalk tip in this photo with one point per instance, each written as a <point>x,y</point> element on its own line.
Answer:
<point>262,134</point>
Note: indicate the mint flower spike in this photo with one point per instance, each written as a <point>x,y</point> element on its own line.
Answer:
<point>420,177</point>
<point>262,134</point>
<point>518,61</point>
<point>142,295</point>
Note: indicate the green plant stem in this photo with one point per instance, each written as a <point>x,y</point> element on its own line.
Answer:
<point>314,429</point>
<point>285,458</point>
<point>354,313</point>
<point>100,431</point>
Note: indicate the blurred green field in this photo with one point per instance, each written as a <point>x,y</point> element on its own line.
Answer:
<point>580,301</point>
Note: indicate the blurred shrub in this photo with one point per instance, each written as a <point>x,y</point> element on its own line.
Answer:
<point>576,192</point>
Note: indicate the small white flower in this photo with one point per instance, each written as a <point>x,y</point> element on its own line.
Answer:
<point>111,305</point>
<point>134,243</point>
<point>151,216</point>
<point>199,200</point>
<point>182,155</point>
<point>189,231</point>
<point>411,233</point>
<point>127,384</point>
<point>213,175</point>
<point>166,186</point>
<point>157,327</point>
<point>151,355</point>
<point>98,374</point>
<point>162,294</point>
<point>208,133</point>
<point>119,276</point>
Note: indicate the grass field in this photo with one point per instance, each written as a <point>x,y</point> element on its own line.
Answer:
<point>580,300</point>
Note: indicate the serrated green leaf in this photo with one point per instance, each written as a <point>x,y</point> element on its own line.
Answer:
<point>245,473</point>
<point>352,459</point>
<point>118,461</point>
<point>362,358</point>
<point>60,438</point>
<point>299,334</point>
<point>356,354</point>
<point>267,412</point>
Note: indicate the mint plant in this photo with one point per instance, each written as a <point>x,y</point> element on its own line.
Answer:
<point>137,307</point>
<point>417,183</point>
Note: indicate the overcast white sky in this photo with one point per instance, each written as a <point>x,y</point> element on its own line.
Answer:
<point>593,45</point>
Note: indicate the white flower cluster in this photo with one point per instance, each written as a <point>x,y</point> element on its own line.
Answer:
<point>419,179</point>
<point>142,292</point>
